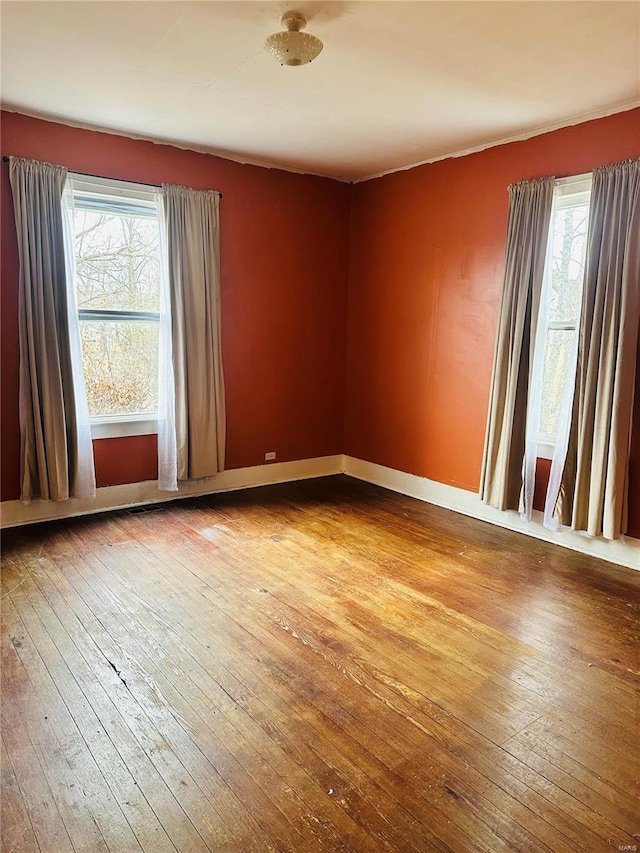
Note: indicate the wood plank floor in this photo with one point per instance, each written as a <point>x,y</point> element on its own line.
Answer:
<point>321,666</point>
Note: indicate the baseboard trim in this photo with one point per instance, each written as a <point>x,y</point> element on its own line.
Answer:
<point>622,552</point>
<point>15,513</point>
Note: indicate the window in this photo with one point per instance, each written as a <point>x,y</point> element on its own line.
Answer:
<point>561,301</point>
<point>118,270</point>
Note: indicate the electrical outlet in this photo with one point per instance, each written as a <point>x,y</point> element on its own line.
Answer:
<point>269,456</point>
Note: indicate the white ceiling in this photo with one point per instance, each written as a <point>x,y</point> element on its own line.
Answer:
<point>397,83</point>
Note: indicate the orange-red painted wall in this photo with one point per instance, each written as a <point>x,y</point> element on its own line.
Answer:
<point>426,266</point>
<point>284,251</point>
<point>418,254</point>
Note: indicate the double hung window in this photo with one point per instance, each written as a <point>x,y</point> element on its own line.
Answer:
<point>561,303</point>
<point>118,274</point>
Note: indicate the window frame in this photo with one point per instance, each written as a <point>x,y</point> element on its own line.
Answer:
<point>111,195</point>
<point>568,192</point>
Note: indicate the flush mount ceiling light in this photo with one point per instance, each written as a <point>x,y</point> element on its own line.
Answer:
<point>292,47</point>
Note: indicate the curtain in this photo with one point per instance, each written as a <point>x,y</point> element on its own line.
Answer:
<point>167,450</point>
<point>56,449</point>
<point>501,483</point>
<point>193,285</point>
<point>589,482</point>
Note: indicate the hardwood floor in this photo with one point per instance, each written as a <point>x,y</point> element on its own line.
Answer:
<point>321,666</point>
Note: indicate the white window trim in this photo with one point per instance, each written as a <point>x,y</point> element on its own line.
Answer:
<point>546,446</point>
<point>117,426</point>
<point>113,188</point>
<point>566,191</point>
<point>121,425</point>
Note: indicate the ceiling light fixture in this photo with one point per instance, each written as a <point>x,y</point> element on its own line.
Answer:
<point>292,47</point>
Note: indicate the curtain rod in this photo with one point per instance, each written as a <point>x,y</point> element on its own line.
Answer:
<point>5,159</point>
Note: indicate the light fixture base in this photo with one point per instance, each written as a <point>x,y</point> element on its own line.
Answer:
<point>293,21</point>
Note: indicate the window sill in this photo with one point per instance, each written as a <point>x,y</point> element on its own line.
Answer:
<point>119,427</point>
<point>545,450</point>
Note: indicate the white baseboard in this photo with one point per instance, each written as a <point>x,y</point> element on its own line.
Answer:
<point>15,513</point>
<point>622,552</point>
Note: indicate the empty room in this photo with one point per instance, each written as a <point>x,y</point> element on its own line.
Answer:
<point>320,426</point>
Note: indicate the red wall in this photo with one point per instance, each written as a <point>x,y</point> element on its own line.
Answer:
<point>284,250</point>
<point>420,258</point>
<point>426,266</point>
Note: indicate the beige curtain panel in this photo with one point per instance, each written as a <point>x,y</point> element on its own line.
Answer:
<point>501,482</point>
<point>592,496</point>
<point>56,462</point>
<point>192,233</point>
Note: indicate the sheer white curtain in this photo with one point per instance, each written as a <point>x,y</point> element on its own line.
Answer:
<point>561,446</point>
<point>167,447</point>
<point>85,471</point>
<point>535,388</point>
